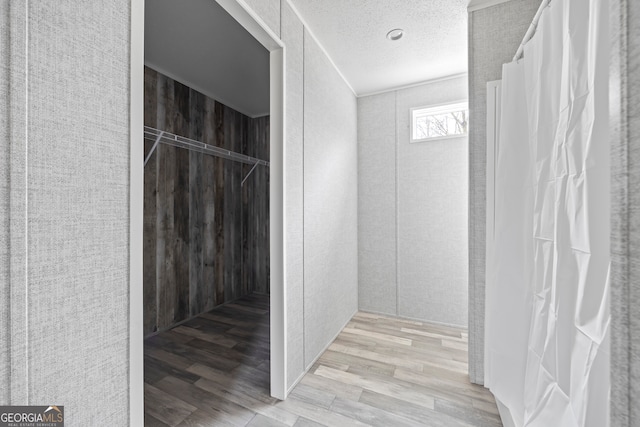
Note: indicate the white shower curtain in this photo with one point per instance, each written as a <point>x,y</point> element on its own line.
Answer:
<point>510,278</point>
<point>547,291</point>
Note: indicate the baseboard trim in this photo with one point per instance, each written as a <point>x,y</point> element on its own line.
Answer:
<point>295,383</point>
<point>306,371</point>
<point>182,322</point>
<point>415,319</point>
<point>315,359</point>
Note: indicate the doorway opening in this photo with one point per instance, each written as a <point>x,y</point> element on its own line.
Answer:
<point>212,244</point>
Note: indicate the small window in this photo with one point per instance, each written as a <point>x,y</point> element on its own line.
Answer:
<point>443,121</point>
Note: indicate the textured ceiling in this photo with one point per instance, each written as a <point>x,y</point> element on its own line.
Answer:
<point>353,32</point>
<point>199,44</point>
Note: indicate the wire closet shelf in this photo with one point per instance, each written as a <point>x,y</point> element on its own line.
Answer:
<point>160,136</point>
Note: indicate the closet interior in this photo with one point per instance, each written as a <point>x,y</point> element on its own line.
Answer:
<point>206,202</point>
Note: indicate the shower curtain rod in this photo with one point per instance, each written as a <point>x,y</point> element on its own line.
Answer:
<point>532,29</point>
<point>160,136</point>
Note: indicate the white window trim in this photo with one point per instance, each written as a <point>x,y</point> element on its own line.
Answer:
<point>437,109</point>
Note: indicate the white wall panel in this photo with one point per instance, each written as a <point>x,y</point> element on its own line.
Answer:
<point>69,154</point>
<point>625,226</point>
<point>4,202</point>
<point>330,201</point>
<point>377,285</point>
<point>633,98</point>
<point>78,208</point>
<point>268,11</point>
<point>412,211</point>
<point>432,213</point>
<point>293,36</point>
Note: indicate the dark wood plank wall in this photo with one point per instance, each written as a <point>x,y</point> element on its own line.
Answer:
<point>257,200</point>
<point>206,237</point>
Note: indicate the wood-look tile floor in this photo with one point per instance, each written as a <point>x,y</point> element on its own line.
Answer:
<point>380,371</point>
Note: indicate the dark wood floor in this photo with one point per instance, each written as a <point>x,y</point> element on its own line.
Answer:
<point>380,371</point>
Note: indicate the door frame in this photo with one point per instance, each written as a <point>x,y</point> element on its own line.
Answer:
<point>240,11</point>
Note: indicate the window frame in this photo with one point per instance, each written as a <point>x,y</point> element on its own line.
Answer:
<point>461,105</point>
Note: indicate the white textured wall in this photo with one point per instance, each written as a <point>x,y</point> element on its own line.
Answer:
<point>69,212</point>
<point>4,202</point>
<point>330,201</point>
<point>625,212</point>
<point>432,213</point>
<point>633,102</point>
<point>269,12</point>
<point>377,238</point>
<point>293,36</point>
<point>412,209</point>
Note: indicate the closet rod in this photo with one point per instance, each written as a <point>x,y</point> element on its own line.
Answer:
<point>532,30</point>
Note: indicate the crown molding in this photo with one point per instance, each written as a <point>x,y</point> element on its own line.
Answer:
<point>412,85</point>
<point>475,5</point>
<point>317,40</point>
